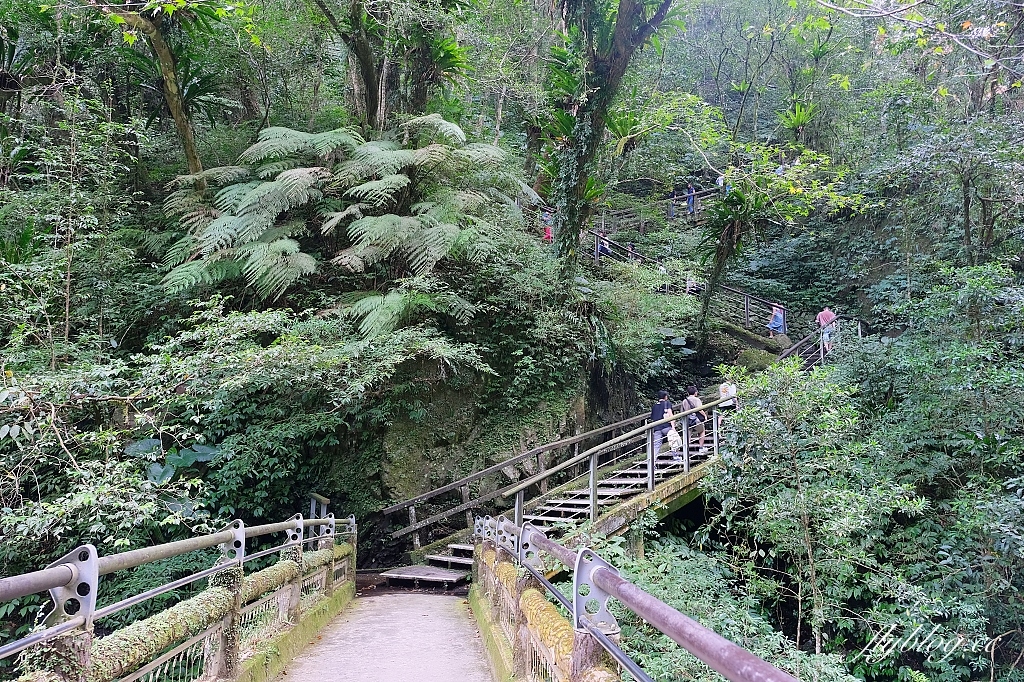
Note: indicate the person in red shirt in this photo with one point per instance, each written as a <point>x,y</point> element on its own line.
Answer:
<point>825,320</point>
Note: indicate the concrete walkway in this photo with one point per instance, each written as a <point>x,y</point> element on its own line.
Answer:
<point>396,637</point>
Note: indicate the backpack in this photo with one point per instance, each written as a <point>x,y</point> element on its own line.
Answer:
<point>692,419</point>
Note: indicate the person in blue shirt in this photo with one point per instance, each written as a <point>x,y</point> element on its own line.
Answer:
<point>690,198</point>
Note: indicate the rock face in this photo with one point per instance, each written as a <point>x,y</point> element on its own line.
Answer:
<point>452,436</point>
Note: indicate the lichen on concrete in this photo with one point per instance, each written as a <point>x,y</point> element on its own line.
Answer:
<point>122,652</point>
<point>507,574</point>
<point>544,619</point>
<point>314,560</point>
<point>268,579</point>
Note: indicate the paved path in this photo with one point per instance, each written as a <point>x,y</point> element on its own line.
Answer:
<point>397,637</point>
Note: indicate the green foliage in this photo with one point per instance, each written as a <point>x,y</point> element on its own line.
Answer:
<point>366,188</point>
<point>698,585</point>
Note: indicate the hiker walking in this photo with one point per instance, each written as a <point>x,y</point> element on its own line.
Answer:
<point>776,324</point>
<point>695,421</point>
<point>660,410</point>
<point>826,321</point>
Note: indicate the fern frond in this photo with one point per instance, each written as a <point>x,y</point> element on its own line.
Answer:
<point>181,251</point>
<point>183,200</point>
<point>272,168</point>
<point>221,233</point>
<point>197,272</point>
<point>384,232</point>
<point>275,143</point>
<point>425,247</point>
<point>325,144</point>
<point>432,155</point>
<point>271,267</point>
<point>197,220</point>
<point>355,212</point>
<point>479,154</point>
<point>218,175</point>
<point>381,192</point>
<point>228,198</point>
<point>380,157</point>
<point>437,125</point>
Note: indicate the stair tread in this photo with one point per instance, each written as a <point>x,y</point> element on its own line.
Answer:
<point>552,519</point>
<point>563,510</point>
<point>451,559</point>
<point>461,548</point>
<point>433,574</point>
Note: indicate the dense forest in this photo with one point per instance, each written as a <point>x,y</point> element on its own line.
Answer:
<point>251,250</point>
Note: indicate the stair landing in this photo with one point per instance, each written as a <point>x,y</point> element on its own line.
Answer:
<point>432,575</point>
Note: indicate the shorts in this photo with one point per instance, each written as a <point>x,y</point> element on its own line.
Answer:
<point>826,334</point>
<point>697,430</point>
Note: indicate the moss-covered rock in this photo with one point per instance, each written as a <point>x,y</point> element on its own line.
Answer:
<point>451,437</point>
<point>755,360</point>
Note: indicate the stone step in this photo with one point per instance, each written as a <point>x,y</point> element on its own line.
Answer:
<point>449,560</point>
<point>430,575</point>
<point>461,550</point>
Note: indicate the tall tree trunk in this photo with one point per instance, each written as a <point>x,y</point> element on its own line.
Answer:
<point>172,91</point>
<point>361,51</point>
<point>605,70</point>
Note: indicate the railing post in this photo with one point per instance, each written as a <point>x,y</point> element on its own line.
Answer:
<point>785,322</point>
<point>651,459</point>
<point>746,310</point>
<point>821,347</point>
<point>686,444</point>
<point>69,656</point>
<point>465,500</point>
<point>229,651</point>
<point>520,501</point>
<point>542,466</point>
<point>412,522</point>
<point>292,604</point>
<point>716,419</point>
<point>597,249</point>
<point>593,487</point>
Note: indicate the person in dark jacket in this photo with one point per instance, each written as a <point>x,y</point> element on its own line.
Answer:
<point>659,411</point>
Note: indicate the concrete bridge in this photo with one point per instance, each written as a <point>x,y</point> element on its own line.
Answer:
<point>297,617</point>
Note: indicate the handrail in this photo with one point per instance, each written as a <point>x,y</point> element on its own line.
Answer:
<point>725,657</point>
<point>523,485</point>
<point>511,461</point>
<point>740,292</point>
<point>806,341</point>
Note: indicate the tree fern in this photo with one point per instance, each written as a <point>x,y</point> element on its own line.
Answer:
<point>380,314</point>
<point>435,197</point>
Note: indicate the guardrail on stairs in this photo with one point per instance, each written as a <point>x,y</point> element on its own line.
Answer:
<point>735,304</point>
<point>553,465</point>
<point>203,637</point>
<point>547,646</point>
<point>814,348</point>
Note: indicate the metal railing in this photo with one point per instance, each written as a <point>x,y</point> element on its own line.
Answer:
<point>203,637</point>
<point>734,304</point>
<point>548,646</point>
<point>490,485</point>
<point>814,348</point>
<point>602,462</point>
